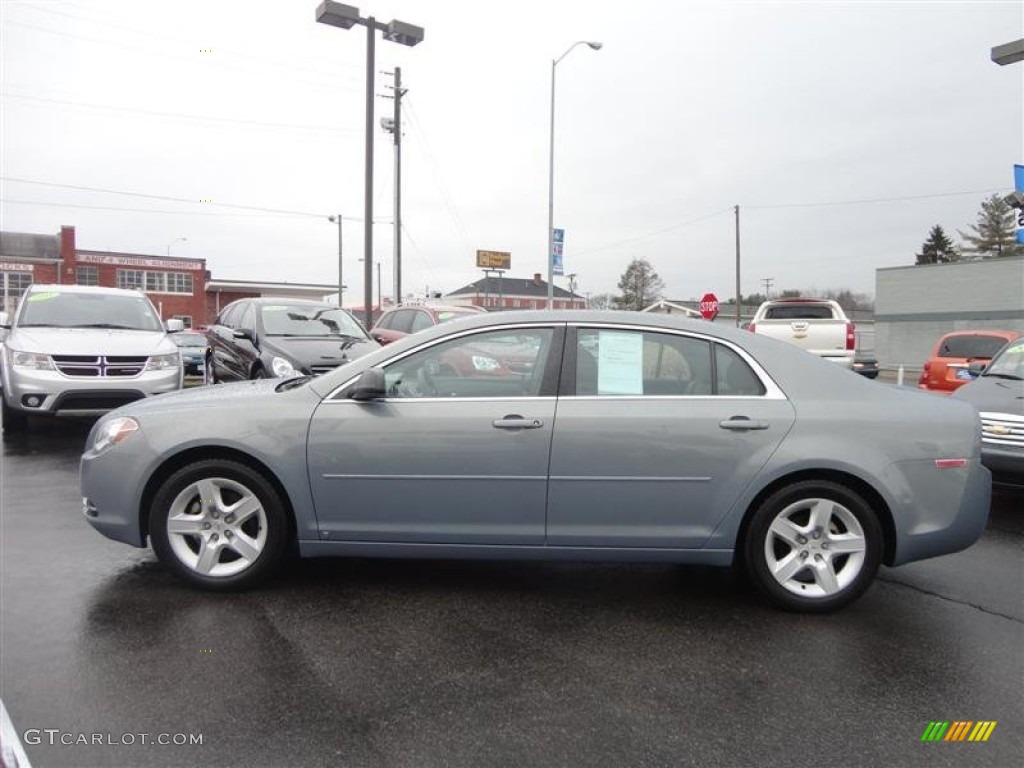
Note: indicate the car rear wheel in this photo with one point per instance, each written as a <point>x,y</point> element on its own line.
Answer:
<point>219,525</point>
<point>813,546</point>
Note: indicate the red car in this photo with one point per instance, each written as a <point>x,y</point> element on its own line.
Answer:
<point>947,368</point>
<point>399,322</point>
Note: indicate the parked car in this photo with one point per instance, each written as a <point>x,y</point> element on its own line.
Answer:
<point>73,348</point>
<point>675,441</point>
<point>866,365</point>
<point>265,338</point>
<point>401,321</point>
<point>998,394</point>
<point>192,346</point>
<point>948,367</point>
<point>819,326</point>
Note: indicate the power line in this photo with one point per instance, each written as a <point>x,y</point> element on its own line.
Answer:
<point>154,113</point>
<point>875,200</point>
<point>9,201</point>
<point>653,233</point>
<point>181,199</point>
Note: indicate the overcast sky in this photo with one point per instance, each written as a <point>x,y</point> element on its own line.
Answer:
<point>688,109</point>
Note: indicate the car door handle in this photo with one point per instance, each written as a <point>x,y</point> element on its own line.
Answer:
<point>517,422</point>
<point>742,424</point>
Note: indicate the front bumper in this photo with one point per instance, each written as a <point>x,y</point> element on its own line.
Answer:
<point>1005,464</point>
<point>49,392</point>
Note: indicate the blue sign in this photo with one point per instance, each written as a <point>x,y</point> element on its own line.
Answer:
<point>1018,184</point>
<point>557,240</point>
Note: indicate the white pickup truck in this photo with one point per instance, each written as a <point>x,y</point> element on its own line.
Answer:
<point>817,325</point>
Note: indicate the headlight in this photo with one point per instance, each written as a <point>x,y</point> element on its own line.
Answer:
<point>164,362</point>
<point>113,432</point>
<point>31,360</point>
<point>282,367</point>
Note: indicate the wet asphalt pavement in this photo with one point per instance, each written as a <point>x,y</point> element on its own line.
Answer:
<point>396,663</point>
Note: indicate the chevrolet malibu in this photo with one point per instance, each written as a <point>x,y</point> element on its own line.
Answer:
<point>628,437</point>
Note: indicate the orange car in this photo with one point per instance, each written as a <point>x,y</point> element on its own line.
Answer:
<point>946,369</point>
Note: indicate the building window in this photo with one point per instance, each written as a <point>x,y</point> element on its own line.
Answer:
<point>186,320</point>
<point>156,282</point>
<point>130,279</point>
<point>13,284</point>
<point>179,282</point>
<point>87,275</point>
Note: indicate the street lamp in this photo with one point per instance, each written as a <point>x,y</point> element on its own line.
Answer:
<point>341,282</point>
<point>551,169</point>
<point>175,240</point>
<point>346,17</point>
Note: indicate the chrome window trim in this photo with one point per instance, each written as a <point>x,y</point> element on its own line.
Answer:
<point>772,390</point>
<point>439,399</point>
<point>468,332</point>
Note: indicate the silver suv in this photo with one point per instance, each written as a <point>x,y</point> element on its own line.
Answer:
<point>84,349</point>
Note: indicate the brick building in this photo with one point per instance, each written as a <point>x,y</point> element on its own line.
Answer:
<point>176,286</point>
<point>496,293</point>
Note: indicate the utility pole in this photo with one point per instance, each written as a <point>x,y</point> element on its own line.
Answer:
<point>394,127</point>
<point>737,209</point>
<point>341,282</point>
<point>767,282</point>
<point>572,289</point>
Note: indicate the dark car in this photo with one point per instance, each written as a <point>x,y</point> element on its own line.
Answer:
<point>866,366</point>
<point>266,337</point>
<point>998,394</point>
<point>192,346</point>
<point>401,321</point>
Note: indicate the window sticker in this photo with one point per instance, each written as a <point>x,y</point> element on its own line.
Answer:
<point>43,296</point>
<point>620,358</point>
<point>274,308</point>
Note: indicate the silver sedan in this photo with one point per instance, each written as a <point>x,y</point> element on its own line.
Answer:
<point>551,435</point>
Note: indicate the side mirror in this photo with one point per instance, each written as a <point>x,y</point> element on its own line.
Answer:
<point>976,369</point>
<point>369,385</point>
<point>174,325</point>
<point>243,333</point>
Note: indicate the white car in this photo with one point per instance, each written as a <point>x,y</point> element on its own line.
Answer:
<point>78,348</point>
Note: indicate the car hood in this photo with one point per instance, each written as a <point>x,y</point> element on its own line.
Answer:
<point>90,341</point>
<point>238,396</point>
<point>317,350</point>
<point>991,393</point>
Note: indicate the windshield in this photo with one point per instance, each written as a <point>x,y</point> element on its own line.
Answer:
<point>88,310</point>
<point>188,340</point>
<point>1009,362</point>
<point>305,320</point>
<point>445,315</point>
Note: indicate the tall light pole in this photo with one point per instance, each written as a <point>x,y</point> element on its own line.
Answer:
<point>175,240</point>
<point>341,281</point>
<point>346,17</point>
<point>551,169</point>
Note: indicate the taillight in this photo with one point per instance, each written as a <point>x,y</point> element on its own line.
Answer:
<point>925,371</point>
<point>751,328</point>
<point>851,336</point>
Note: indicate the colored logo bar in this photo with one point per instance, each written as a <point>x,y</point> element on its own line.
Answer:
<point>958,730</point>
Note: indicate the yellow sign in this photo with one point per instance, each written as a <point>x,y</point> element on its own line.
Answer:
<point>494,259</point>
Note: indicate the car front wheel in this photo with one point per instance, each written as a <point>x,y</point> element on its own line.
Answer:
<point>813,546</point>
<point>219,525</point>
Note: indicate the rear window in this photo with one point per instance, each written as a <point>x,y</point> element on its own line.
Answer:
<point>971,346</point>
<point>798,312</point>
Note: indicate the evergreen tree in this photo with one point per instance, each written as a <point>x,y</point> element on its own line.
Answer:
<point>640,286</point>
<point>938,248</point>
<point>993,234</point>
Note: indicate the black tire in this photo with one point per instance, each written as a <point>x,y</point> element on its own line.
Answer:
<point>14,421</point>
<point>803,561</point>
<point>266,537</point>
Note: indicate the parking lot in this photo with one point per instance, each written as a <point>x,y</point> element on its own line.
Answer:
<point>364,662</point>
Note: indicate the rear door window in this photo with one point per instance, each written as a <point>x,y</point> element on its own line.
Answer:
<point>971,346</point>
<point>799,312</point>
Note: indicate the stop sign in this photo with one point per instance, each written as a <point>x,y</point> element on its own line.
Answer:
<point>709,306</point>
